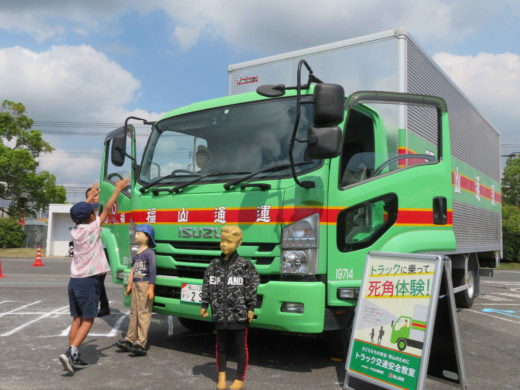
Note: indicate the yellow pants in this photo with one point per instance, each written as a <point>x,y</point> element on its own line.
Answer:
<point>140,314</point>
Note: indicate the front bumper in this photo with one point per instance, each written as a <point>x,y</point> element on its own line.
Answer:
<point>268,314</point>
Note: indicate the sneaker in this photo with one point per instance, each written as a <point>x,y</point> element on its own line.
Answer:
<point>78,363</point>
<point>103,311</point>
<point>67,362</point>
<point>137,349</point>
<point>124,344</point>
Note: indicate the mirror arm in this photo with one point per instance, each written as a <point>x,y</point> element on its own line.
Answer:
<point>123,153</point>
<point>305,184</point>
<point>146,122</point>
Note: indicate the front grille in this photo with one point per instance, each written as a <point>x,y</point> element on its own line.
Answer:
<point>201,245</point>
<point>215,245</point>
<point>199,259</point>
<point>191,272</point>
<point>161,271</point>
<point>167,292</point>
<point>193,265</point>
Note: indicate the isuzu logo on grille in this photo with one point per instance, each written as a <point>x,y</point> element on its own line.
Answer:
<point>199,232</point>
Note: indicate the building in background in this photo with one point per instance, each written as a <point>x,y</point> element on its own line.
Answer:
<point>58,230</point>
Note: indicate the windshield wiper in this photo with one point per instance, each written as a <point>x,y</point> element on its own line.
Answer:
<point>170,176</point>
<point>177,189</point>
<point>181,186</point>
<point>227,186</point>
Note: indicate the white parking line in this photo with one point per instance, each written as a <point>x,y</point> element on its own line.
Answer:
<point>64,333</point>
<point>33,321</point>
<point>20,308</point>
<point>114,330</point>
<point>58,312</point>
<point>490,315</point>
<point>170,326</point>
<point>501,282</point>
<point>496,299</point>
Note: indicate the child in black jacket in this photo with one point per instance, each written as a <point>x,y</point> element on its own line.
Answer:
<point>230,284</point>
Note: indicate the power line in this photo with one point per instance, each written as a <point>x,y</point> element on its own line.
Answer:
<point>113,125</point>
<point>53,127</point>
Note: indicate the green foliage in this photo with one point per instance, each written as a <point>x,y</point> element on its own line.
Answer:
<point>11,233</point>
<point>510,210</point>
<point>511,182</point>
<point>20,146</point>
<point>511,232</point>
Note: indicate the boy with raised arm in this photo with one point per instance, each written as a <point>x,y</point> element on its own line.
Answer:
<point>88,262</point>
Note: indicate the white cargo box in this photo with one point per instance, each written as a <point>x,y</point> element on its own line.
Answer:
<point>393,61</point>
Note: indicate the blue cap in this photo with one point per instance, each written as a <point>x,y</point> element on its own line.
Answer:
<point>82,210</point>
<point>149,231</point>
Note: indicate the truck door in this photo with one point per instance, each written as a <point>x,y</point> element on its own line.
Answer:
<point>384,185</point>
<point>118,158</point>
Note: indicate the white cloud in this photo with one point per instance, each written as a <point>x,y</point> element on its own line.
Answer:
<point>72,167</point>
<point>67,83</point>
<point>70,84</point>
<point>492,82</point>
<point>277,26</point>
<point>81,84</point>
<point>269,26</point>
<point>186,37</point>
<point>46,19</point>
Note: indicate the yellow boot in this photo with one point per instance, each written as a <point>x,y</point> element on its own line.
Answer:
<point>221,385</point>
<point>236,385</point>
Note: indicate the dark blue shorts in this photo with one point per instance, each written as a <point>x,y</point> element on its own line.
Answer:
<point>84,297</point>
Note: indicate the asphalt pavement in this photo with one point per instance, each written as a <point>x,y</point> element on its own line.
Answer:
<point>34,323</point>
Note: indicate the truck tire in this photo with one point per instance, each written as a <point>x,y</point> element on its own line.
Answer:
<point>464,299</point>
<point>401,344</point>
<point>196,325</point>
<point>337,342</point>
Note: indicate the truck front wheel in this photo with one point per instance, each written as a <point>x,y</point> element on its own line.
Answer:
<point>401,344</point>
<point>337,342</point>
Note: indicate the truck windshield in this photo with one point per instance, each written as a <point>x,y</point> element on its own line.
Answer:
<point>223,143</point>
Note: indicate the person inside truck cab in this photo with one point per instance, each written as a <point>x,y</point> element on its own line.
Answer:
<point>203,158</point>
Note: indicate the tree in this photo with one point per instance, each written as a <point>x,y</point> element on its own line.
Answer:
<point>511,182</point>
<point>510,209</point>
<point>11,233</point>
<point>20,146</point>
<point>511,232</point>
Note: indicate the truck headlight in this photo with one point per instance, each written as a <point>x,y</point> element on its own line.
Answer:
<point>300,246</point>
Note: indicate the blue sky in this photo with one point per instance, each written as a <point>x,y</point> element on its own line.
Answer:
<point>96,62</point>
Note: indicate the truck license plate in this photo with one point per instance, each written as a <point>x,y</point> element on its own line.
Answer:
<point>191,293</point>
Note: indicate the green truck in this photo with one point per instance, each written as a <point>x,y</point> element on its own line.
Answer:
<point>316,175</point>
<point>410,331</point>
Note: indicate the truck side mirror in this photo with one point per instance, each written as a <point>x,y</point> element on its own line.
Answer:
<point>118,150</point>
<point>324,142</point>
<point>329,104</point>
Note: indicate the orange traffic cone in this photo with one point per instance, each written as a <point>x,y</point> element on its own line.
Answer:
<point>38,261</point>
<point>1,276</point>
